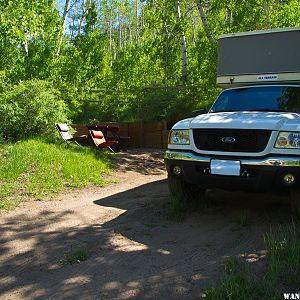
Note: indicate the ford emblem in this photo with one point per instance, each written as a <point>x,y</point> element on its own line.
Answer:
<point>228,139</point>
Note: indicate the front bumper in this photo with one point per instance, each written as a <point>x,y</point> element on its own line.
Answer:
<point>264,173</point>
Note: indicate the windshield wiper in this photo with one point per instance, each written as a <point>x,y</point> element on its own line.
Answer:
<point>257,109</point>
<point>218,111</point>
<point>266,109</point>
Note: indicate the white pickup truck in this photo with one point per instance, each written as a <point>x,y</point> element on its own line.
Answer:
<point>250,137</point>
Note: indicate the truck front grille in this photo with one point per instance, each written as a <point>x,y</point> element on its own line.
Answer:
<point>231,140</point>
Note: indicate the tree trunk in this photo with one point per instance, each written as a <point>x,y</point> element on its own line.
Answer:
<point>124,36</point>
<point>86,7</point>
<point>120,31</point>
<point>110,38</point>
<point>142,16</point>
<point>82,18</point>
<point>204,21</point>
<point>267,12</point>
<point>65,14</point>
<point>184,54</point>
<point>130,34</point>
<point>25,48</point>
<point>228,18</point>
<point>136,21</point>
<point>193,31</point>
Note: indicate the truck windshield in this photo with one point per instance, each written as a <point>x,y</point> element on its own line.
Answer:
<point>264,98</point>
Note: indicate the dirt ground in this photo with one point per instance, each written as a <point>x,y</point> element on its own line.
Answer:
<point>135,251</point>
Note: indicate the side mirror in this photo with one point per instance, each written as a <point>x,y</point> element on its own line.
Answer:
<point>198,112</point>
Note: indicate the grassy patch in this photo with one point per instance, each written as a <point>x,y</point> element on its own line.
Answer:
<point>8,204</point>
<point>36,168</point>
<point>284,255</point>
<point>238,282</point>
<point>244,219</point>
<point>283,260</point>
<point>75,256</point>
<point>177,209</point>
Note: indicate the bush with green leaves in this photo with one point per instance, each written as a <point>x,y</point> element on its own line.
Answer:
<point>30,108</point>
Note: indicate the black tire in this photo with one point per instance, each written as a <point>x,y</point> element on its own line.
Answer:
<point>183,190</point>
<point>295,202</point>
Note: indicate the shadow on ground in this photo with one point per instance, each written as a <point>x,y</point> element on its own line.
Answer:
<point>144,162</point>
<point>136,252</point>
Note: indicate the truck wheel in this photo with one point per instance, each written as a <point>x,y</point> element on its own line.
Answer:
<point>295,201</point>
<point>183,190</point>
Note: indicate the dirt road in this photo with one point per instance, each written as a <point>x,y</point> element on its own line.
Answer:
<point>134,250</point>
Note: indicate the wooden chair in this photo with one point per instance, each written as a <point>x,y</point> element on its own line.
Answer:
<point>64,131</point>
<point>100,141</point>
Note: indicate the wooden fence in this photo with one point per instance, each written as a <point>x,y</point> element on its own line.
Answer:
<point>142,135</point>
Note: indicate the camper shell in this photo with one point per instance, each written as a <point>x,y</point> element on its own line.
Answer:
<point>257,57</point>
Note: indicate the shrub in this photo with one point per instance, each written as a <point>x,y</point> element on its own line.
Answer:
<point>30,108</point>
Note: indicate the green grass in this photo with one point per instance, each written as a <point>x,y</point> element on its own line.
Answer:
<point>282,275</point>
<point>284,254</point>
<point>75,256</point>
<point>36,168</point>
<point>8,204</point>
<point>177,210</point>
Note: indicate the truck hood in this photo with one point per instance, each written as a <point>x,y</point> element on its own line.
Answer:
<point>247,120</point>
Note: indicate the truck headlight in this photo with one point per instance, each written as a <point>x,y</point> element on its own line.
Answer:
<point>179,137</point>
<point>288,140</point>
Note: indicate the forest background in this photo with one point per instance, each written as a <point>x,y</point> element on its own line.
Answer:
<point>117,60</point>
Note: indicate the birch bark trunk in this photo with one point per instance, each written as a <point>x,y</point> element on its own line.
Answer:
<point>85,11</point>
<point>266,8</point>
<point>136,21</point>
<point>183,44</point>
<point>25,48</point>
<point>65,15</point>
<point>193,31</point>
<point>110,40</point>
<point>204,21</point>
<point>120,31</point>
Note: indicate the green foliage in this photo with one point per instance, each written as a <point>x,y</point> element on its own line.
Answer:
<point>83,63</point>
<point>23,24</point>
<point>115,49</point>
<point>36,168</point>
<point>30,108</point>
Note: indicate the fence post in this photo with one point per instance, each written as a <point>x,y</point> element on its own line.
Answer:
<point>163,132</point>
<point>141,134</point>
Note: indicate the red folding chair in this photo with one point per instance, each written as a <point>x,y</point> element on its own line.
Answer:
<point>100,141</point>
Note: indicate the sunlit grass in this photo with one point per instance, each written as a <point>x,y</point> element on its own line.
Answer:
<point>36,168</point>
